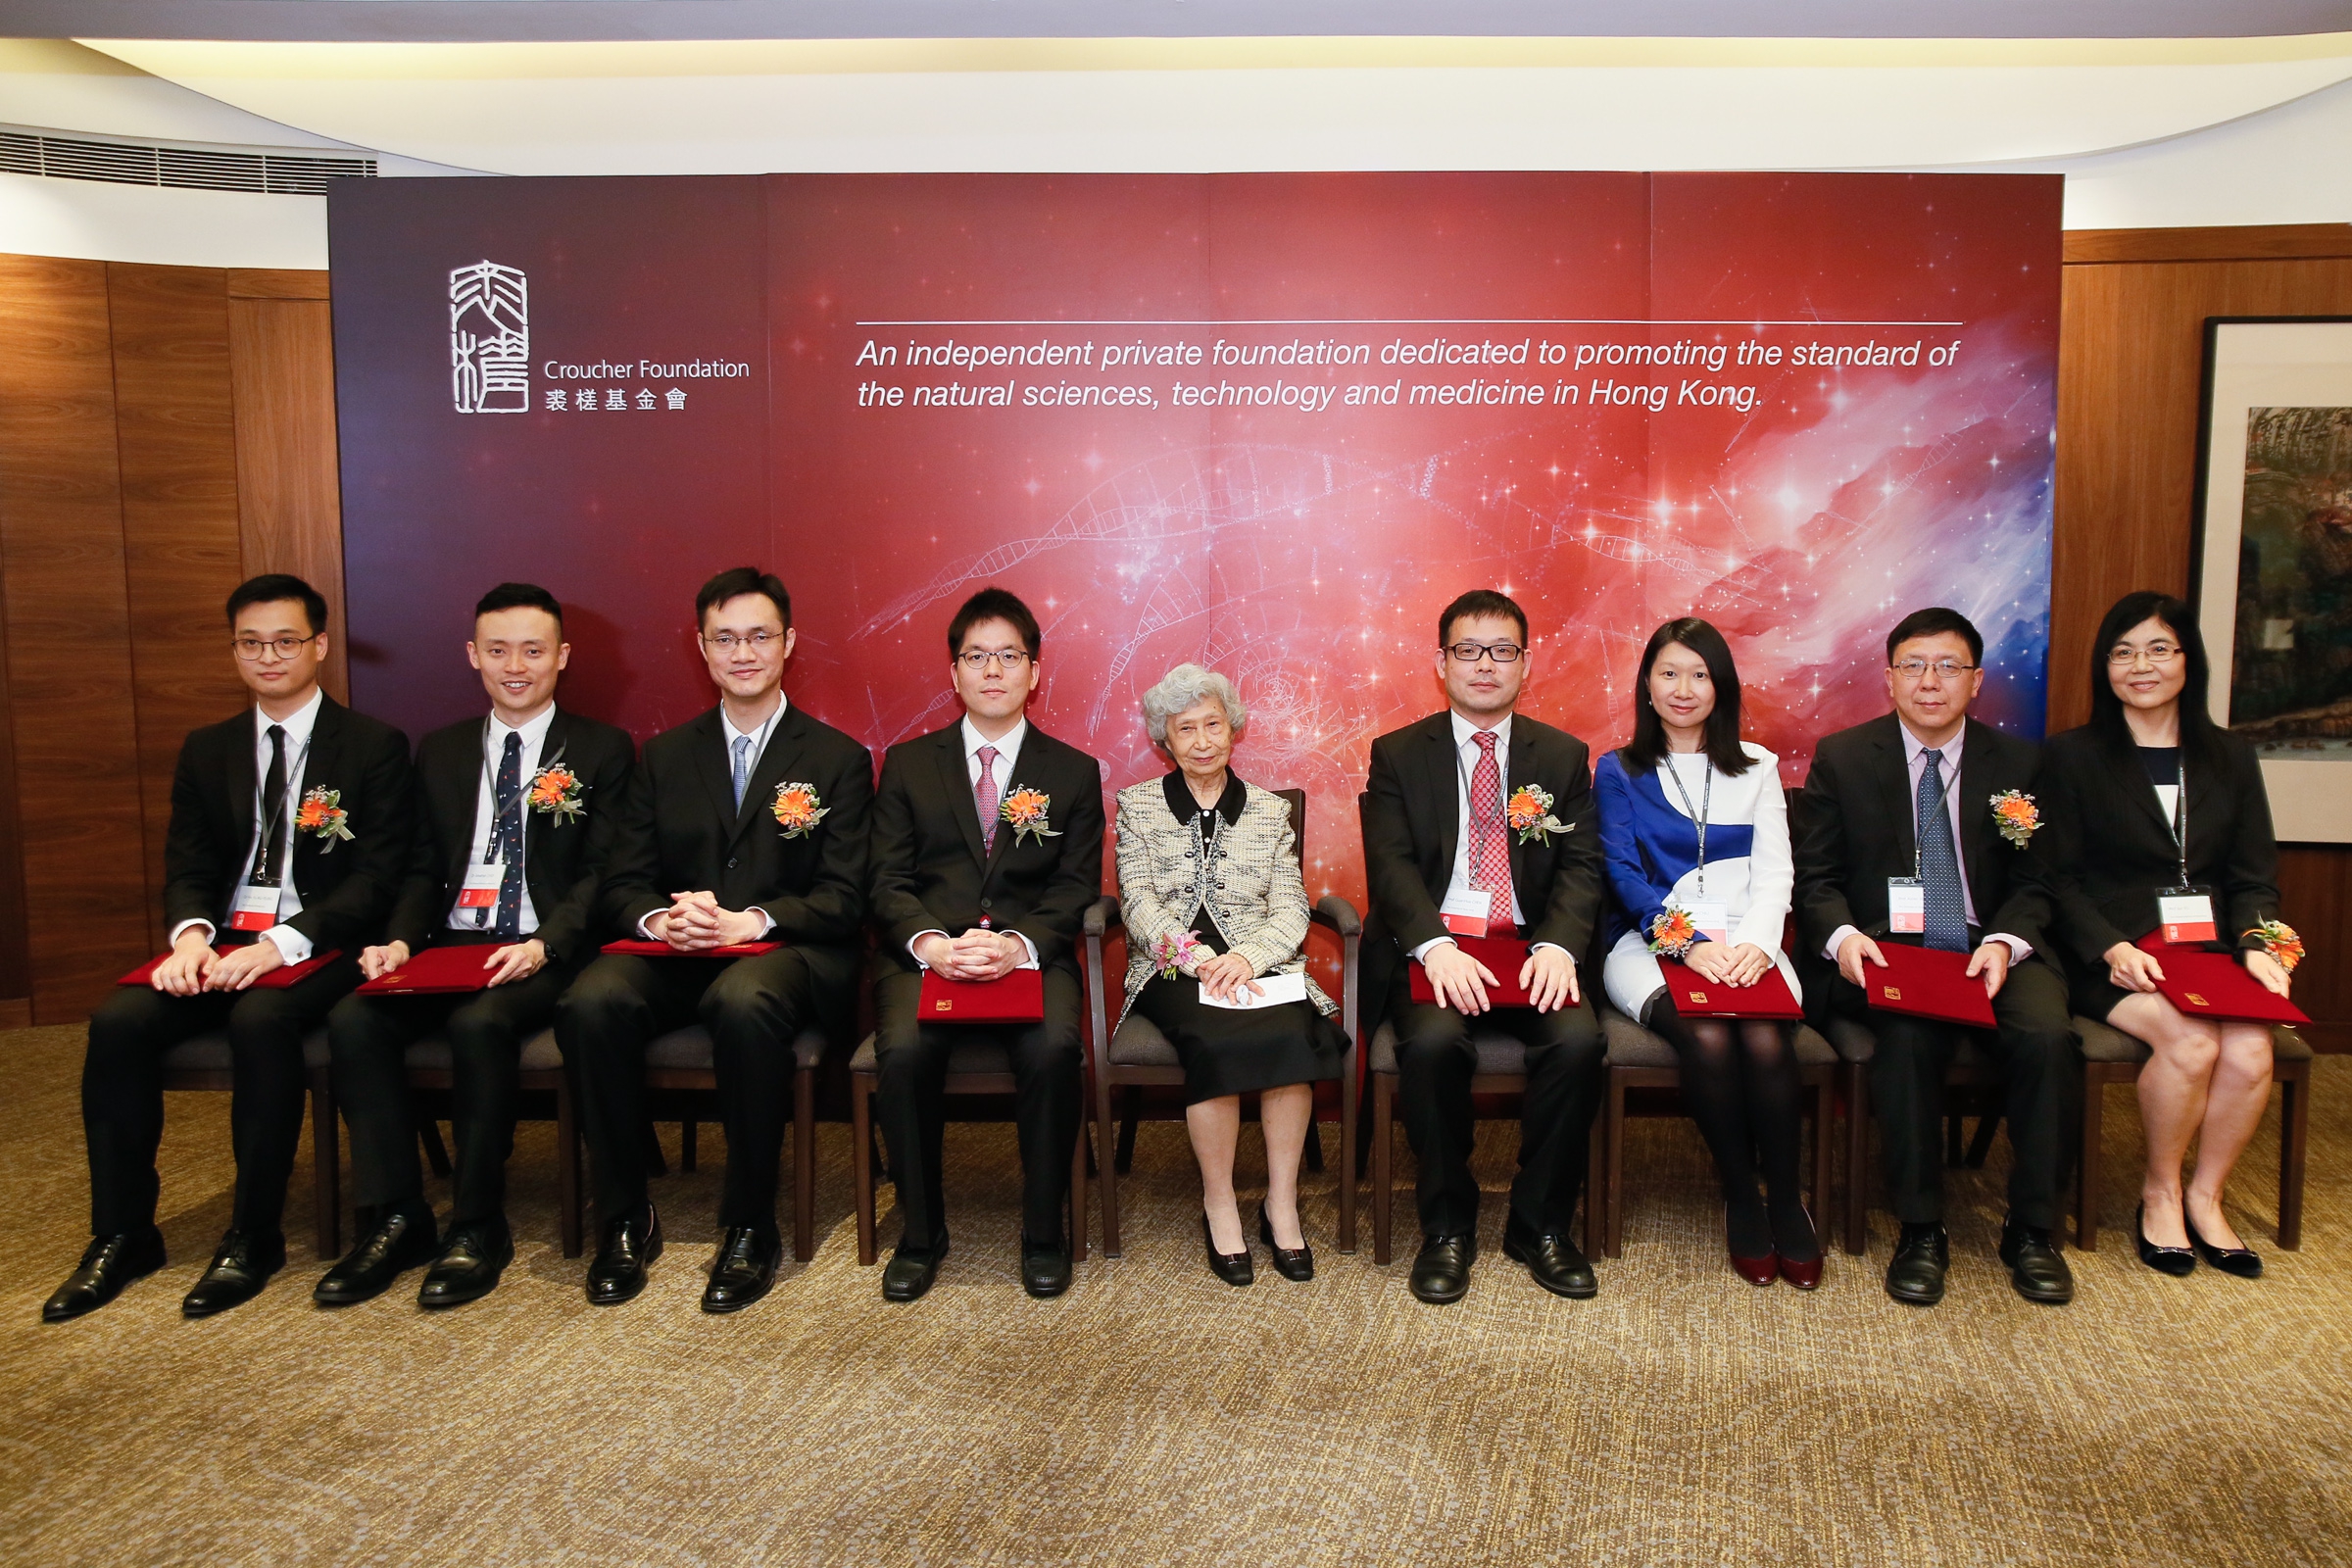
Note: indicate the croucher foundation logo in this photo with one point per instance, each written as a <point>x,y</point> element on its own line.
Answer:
<point>489,339</point>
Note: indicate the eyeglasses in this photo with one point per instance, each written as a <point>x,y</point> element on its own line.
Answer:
<point>977,659</point>
<point>758,642</point>
<point>250,648</point>
<point>1917,668</point>
<point>2156,652</point>
<point>1472,653</point>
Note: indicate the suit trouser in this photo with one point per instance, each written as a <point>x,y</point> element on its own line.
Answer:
<point>753,1008</point>
<point>485,1029</point>
<point>1564,1074</point>
<point>122,1091</point>
<point>2036,1053</point>
<point>911,1101</point>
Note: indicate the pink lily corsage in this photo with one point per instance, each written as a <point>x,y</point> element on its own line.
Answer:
<point>1174,954</point>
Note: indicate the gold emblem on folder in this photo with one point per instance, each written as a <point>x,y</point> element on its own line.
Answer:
<point>943,1004</point>
<point>1892,993</point>
<point>2196,999</point>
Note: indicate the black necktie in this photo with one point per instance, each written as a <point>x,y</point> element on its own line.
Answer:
<point>505,838</point>
<point>274,808</point>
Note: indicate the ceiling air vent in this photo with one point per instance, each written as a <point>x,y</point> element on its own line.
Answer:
<point>190,167</point>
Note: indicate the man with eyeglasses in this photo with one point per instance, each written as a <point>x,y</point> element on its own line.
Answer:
<point>745,826</point>
<point>290,832</point>
<point>1442,858</point>
<point>1900,838</point>
<point>963,889</point>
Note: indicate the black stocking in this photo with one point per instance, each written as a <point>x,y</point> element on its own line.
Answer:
<point>1775,1117</point>
<point>1713,1093</point>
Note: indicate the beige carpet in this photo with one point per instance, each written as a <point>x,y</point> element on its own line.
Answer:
<point>1156,1416</point>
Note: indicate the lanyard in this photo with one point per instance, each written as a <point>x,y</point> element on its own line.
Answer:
<point>1470,797</point>
<point>1706,804</point>
<point>2180,823</point>
<point>272,815</point>
<point>1943,787</point>
<point>490,788</point>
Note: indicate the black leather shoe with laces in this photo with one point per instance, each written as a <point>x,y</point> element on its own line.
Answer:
<point>1044,1267</point>
<point>630,1246</point>
<point>1915,1274</point>
<point>239,1269</point>
<point>1552,1261</point>
<point>472,1256</point>
<point>108,1264</point>
<point>2037,1267</point>
<point>399,1242</point>
<point>1441,1268</point>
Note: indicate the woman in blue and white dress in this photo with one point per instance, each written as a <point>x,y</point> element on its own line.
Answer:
<point>1687,780</point>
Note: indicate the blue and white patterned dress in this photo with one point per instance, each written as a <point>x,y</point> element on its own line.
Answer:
<point>1649,844</point>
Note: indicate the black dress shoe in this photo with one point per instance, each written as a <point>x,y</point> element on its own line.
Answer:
<point>1554,1261</point>
<point>630,1246</point>
<point>397,1243</point>
<point>472,1257</point>
<point>2037,1267</point>
<point>239,1269</point>
<point>744,1270</point>
<point>1234,1268</point>
<point>1290,1263</point>
<point>1045,1268</point>
<point>1915,1274</point>
<point>2177,1261</point>
<point>908,1275</point>
<point>2229,1260</point>
<point>1441,1268</point>
<point>109,1263</point>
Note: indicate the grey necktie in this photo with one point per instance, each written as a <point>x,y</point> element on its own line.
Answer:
<point>743,768</point>
<point>1939,866</point>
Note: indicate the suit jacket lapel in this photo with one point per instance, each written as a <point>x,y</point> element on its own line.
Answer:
<point>243,782</point>
<point>1895,781</point>
<point>535,824</point>
<point>711,760</point>
<point>1031,755</point>
<point>319,767</point>
<point>954,781</point>
<point>1976,749</point>
<point>776,760</point>
<point>1444,768</point>
<point>2124,758</point>
<point>1522,770</point>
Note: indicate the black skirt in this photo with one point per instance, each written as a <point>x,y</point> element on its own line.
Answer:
<point>1226,1052</point>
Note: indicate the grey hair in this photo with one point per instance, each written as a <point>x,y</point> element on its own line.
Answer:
<point>1182,688</point>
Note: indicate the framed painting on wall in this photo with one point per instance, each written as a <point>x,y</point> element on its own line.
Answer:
<point>2271,556</point>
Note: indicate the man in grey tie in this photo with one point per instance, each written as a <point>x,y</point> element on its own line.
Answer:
<point>745,826</point>
<point>1898,838</point>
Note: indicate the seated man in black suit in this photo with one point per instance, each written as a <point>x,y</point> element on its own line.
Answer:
<point>1440,850</point>
<point>289,835</point>
<point>747,824</point>
<point>515,822</point>
<point>963,889</point>
<point>1907,806</point>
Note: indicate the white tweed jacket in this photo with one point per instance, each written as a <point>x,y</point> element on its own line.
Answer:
<point>1250,884</point>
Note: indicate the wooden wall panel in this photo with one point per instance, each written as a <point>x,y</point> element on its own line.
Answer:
<point>69,649</point>
<point>290,500</point>
<point>177,422</point>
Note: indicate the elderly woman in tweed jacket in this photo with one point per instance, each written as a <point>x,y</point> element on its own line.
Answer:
<point>1214,907</point>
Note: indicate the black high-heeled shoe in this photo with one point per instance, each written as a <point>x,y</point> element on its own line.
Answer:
<point>1290,1263</point>
<point>2177,1261</point>
<point>2235,1260</point>
<point>1231,1267</point>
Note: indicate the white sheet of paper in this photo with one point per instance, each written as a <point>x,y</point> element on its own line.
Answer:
<point>1273,989</point>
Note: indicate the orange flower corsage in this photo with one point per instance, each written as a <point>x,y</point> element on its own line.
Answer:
<point>1026,812</point>
<point>556,791</point>
<point>2019,817</point>
<point>1529,814</point>
<point>798,809</point>
<point>1673,933</point>
<point>322,815</point>
<point>2280,941</point>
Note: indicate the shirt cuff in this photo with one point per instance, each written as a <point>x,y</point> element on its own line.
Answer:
<point>292,946</point>
<point>209,931</point>
<point>767,922</point>
<point>647,931</point>
<point>1421,953</point>
<point>1837,940</point>
<point>917,937</point>
<point>2019,950</point>
<point>1028,946</point>
<point>1539,946</point>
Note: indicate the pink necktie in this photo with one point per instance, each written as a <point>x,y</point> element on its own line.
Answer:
<point>984,794</point>
<point>1490,844</point>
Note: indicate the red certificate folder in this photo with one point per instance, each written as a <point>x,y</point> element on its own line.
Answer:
<point>277,979</point>
<point>1503,957</point>
<point>1928,983</point>
<point>2204,984</point>
<point>662,949</point>
<point>1696,996</point>
<point>462,966</point>
<point>1016,998</point>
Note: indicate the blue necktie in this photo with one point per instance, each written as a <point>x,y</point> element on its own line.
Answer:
<point>505,838</point>
<point>743,768</point>
<point>1939,866</point>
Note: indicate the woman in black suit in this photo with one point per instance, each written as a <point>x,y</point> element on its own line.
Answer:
<point>2116,834</point>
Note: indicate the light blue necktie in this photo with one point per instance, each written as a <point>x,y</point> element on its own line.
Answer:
<point>743,768</point>
<point>1939,865</point>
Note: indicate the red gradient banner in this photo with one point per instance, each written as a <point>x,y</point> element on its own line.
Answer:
<point>1270,424</point>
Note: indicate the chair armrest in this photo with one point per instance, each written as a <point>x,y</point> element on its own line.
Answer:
<point>1338,913</point>
<point>1102,915</point>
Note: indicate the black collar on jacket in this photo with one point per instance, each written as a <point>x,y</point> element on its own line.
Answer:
<point>1187,809</point>
<point>318,764</point>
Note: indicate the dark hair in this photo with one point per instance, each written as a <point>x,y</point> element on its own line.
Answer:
<point>737,581</point>
<point>992,604</point>
<point>1648,744</point>
<point>2198,732</point>
<point>271,587</point>
<point>520,595</point>
<point>1480,602</point>
<point>1934,623</point>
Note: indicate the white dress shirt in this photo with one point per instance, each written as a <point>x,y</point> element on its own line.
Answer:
<point>1467,753</point>
<point>1008,756</point>
<point>758,735</point>
<point>494,747</point>
<point>1915,758</point>
<point>292,945</point>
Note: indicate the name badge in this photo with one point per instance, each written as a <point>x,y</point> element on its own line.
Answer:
<point>2187,913</point>
<point>1906,904</point>
<point>255,908</point>
<point>480,889</point>
<point>1466,913</point>
<point>1711,917</point>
